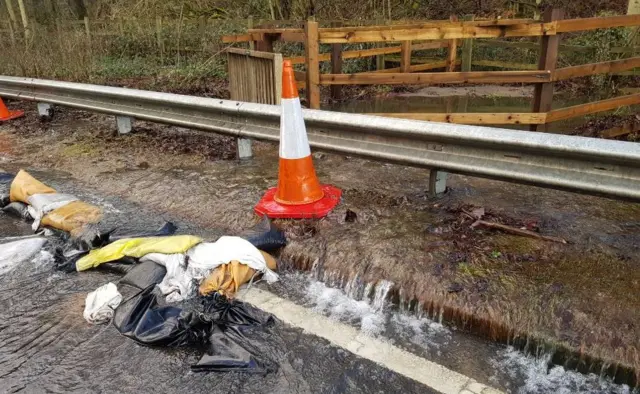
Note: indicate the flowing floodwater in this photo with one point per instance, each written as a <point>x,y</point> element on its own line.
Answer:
<point>366,305</point>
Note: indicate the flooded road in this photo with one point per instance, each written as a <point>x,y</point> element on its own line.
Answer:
<point>46,345</point>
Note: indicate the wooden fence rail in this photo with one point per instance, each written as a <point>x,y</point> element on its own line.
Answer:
<point>445,34</point>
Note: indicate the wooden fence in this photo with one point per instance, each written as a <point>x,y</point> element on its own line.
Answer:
<point>446,34</point>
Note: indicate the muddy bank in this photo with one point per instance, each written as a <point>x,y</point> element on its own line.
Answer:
<point>581,297</point>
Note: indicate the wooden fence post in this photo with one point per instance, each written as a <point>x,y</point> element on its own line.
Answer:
<point>266,43</point>
<point>405,57</point>
<point>252,44</point>
<point>453,50</point>
<point>313,64</point>
<point>336,66</point>
<point>467,49</point>
<point>380,62</point>
<point>543,95</point>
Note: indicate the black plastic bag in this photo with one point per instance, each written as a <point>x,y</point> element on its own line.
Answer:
<point>233,312</point>
<point>17,209</point>
<point>4,200</point>
<point>168,228</point>
<point>143,320</point>
<point>121,266</point>
<point>232,344</point>
<point>64,259</point>
<point>5,183</point>
<point>225,330</point>
<point>230,349</point>
<point>6,178</point>
<point>265,236</point>
<point>144,275</point>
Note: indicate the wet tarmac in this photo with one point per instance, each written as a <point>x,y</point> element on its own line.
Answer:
<point>47,346</point>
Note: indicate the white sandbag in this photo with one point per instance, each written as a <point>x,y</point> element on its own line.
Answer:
<point>185,273</point>
<point>42,204</point>
<point>16,252</point>
<point>205,257</point>
<point>101,303</point>
<point>176,285</point>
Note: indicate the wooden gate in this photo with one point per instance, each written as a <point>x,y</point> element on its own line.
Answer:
<point>254,76</point>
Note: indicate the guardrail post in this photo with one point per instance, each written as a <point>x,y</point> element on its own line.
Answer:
<point>313,64</point>
<point>45,111</point>
<point>124,124</point>
<point>543,95</point>
<point>437,182</point>
<point>243,149</point>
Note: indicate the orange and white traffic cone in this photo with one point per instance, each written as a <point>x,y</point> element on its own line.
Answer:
<point>5,114</point>
<point>299,193</point>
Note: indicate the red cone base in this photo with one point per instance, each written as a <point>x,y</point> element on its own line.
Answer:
<point>319,209</point>
<point>13,115</point>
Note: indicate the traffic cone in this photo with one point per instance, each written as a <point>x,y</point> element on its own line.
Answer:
<point>299,193</point>
<point>5,114</point>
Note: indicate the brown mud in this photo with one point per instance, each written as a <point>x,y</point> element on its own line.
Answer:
<point>578,298</point>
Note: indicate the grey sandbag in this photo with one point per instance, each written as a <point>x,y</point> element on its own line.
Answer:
<point>17,209</point>
<point>144,275</point>
<point>265,236</point>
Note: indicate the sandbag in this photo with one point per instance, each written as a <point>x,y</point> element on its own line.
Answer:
<point>202,259</point>
<point>12,254</point>
<point>144,275</point>
<point>73,217</point>
<point>177,284</point>
<point>24,186</point>
<point>137,247</point>
<point>228,278</point>
<point>100,304</point>
<point>17,209</point>
<point>42,204</point>
<point>265,236</point>
<point>207,256</point>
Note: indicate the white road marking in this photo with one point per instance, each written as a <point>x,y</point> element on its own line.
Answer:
<point>391,357</point>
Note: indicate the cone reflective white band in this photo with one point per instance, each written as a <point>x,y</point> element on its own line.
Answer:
<point>293,134</point>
